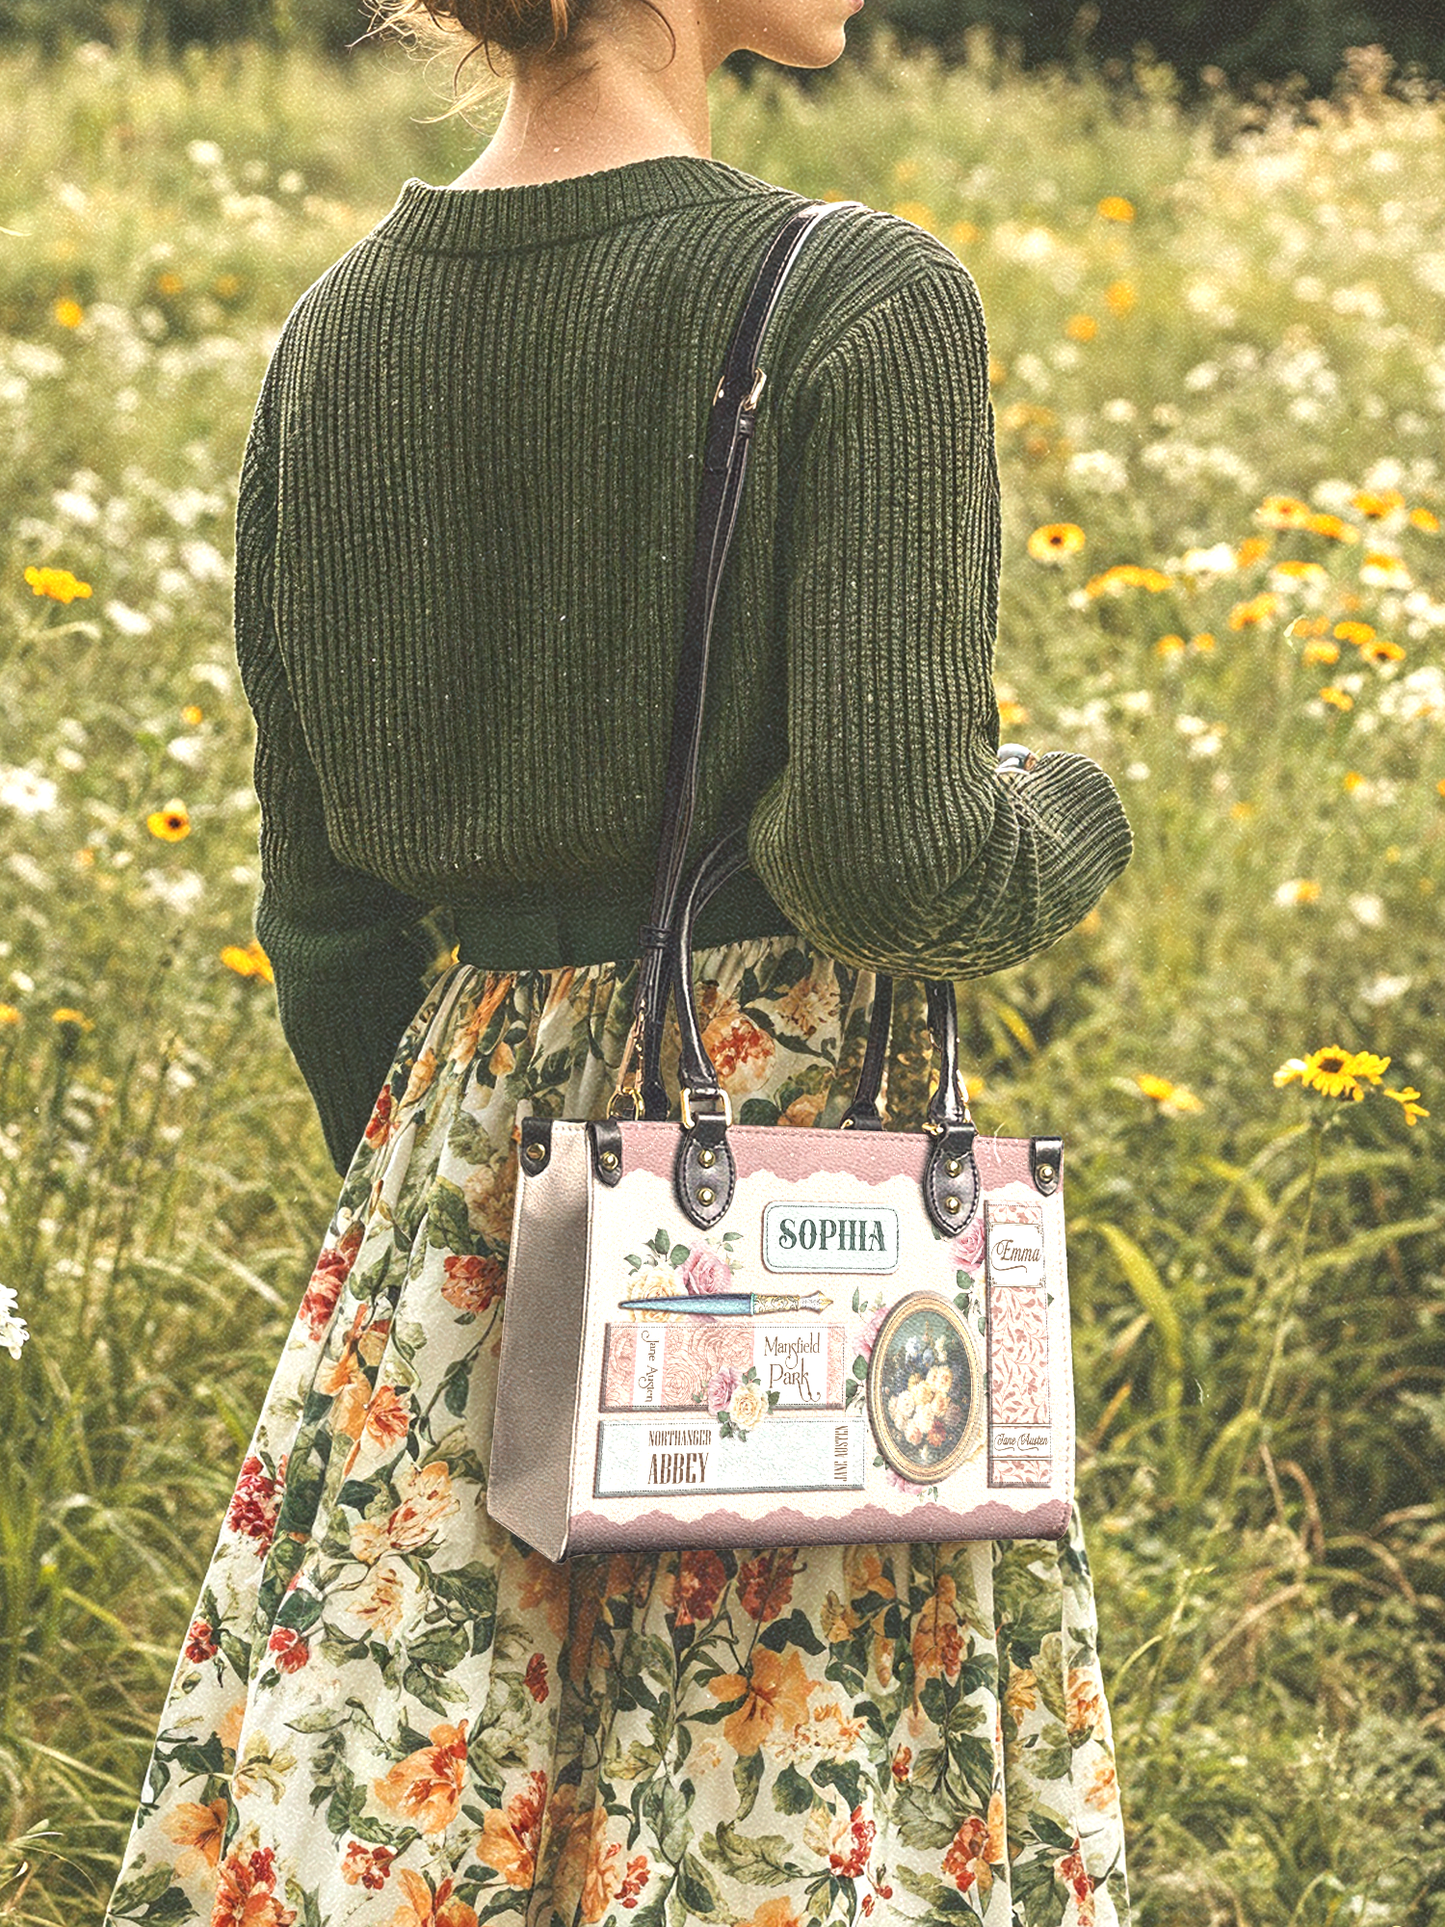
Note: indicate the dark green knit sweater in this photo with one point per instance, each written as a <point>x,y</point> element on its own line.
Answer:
<point>463,542</point>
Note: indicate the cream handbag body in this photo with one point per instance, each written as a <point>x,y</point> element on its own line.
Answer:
<point>741,1335</point>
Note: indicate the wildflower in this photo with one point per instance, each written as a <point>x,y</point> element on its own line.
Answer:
<point>1352,780</point>
<point>68,313</point>
<point>963,234</point>
<point>1337,698</point>
<point>1376,504</point>
<point>1120,297</point>
<point>1356,632</point>
<point>69,1019</point>
<point>1320,654</point>
<point>248,960</point>
<point>1127,575</point>
<point>59,584</point>
<point>1283,512</point>
<point>8,1015</point>
<point>1170,645</point>
<point>918,213</point>
<point>12,1329</point>
<point>1296,890</point>
<point>1333,528</point>
<point>1114,207</point>
<point>1011,714</point>
<point>1218,560</point>
<point>1380,571</point>
<point>1055,540</point>
<point>1295,574</point>
<point>1254,548</point>
<point>1426,520</point>
<point>171,822</point>
<point>1382,650</point>
<point>25,792</point>
<point>1173,1100</point>
<point>169,284</point>
<point>1203,643</point>
<point>1081,327</point>
<point>1334,1072</point>
<point>226,287</point>
<point>1027,414</point>
<point>1407,1099</point>
<point>192,715</point>
<point>1244,615</point>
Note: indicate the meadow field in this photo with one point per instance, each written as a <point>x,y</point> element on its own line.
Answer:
<point>1218,337</point>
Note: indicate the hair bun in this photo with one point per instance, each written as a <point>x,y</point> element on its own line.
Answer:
<point>506,26</point>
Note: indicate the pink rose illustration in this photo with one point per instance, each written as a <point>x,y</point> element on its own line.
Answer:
<point>704,1273</point>
<point>720,1388</point>
<point>872,1325</point>
<point>968,1246</point>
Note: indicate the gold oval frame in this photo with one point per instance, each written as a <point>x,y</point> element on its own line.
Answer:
<point>884,1435</point>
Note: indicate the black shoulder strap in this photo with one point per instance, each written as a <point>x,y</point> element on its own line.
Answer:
<point>725,461</point>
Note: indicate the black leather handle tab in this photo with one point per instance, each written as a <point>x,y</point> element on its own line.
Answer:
<point>948,1108</point>
<point>725,458</point>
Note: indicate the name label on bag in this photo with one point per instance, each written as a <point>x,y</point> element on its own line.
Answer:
<point>830,1237</point>
<point>803,1453</point>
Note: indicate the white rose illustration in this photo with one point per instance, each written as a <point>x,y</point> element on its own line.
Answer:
<point>748,1407</point>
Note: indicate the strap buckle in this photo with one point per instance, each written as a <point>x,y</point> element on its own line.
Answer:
<point>724,1110</point>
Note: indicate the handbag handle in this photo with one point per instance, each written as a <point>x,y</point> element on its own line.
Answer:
<point>951,1182</point>
<point>725,459</point>
<point>705,1173</point>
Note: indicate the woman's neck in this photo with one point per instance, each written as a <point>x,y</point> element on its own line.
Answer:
<point>624,97</point>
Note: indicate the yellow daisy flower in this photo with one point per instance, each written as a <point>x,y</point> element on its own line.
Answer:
<point>1245,615</point>
<point>248,960</point>
<point>1408,1101</point>
<point>171,822</point>
<point>59,584</point>
<point>1283,512</point>
<point>1055,540</point>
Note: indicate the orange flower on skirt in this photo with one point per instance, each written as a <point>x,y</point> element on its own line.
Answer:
<point>776,1692</point>
<point>512,1834</point>
<point>199,1830</point>
<point>427,1785</point>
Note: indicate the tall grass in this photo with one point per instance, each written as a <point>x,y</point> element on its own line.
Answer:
<point>1190,313</point>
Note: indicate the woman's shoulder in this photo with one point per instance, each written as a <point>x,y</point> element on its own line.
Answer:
<point>874,271</point>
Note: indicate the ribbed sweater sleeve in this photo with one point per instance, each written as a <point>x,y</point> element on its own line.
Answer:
<point>348,950</point>
<point>890,838</point>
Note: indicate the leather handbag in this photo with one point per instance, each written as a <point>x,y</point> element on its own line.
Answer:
<point>855,1334</point>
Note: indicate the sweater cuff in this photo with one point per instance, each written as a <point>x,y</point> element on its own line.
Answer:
<point>345,1002</point>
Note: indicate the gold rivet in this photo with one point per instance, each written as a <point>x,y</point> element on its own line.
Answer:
<point>707,1159</point>
<point>1046,1172</point>
<point>950,1204</point>
<point>705,1194</point>
<point>609,1160</point>
<point>953,1167</point>
<point>535,1151</point>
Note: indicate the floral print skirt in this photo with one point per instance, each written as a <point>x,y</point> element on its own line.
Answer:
<point>388,1712</point>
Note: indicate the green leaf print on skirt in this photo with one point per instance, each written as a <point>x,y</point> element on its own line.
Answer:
<point>389,1713</point>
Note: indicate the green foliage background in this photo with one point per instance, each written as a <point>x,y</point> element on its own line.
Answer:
<point>1256,1274</point>
<point>1253,40</point>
